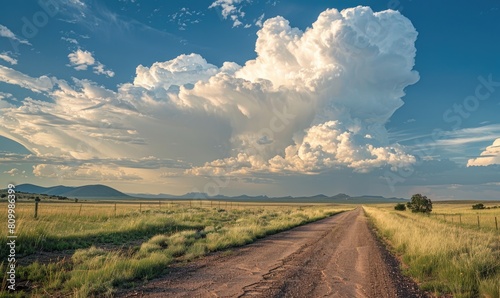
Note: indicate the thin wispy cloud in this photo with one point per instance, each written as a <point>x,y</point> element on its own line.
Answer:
<point>259,21</point>
<point>70,40</point>
<point>5,32</point>
<point>185,17</point>
<point>11,76</point>
<point>456,141</point>
<point>6,57</point>
<point>468,135</point>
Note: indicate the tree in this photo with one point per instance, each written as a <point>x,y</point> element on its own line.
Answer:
<point>478,206</point>
<point>420,203</point>
<point>400,207</point>
<point>3,195</point>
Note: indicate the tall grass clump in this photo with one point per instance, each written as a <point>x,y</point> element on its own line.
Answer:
<point>444,258</point>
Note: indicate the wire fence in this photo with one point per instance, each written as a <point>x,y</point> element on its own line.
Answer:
<point>120,208</point>
<point>471,220</point>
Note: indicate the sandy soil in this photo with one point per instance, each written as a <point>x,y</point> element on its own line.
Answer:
<point>335,257</point>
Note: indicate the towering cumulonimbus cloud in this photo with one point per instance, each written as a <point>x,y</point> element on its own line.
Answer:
<point>347,74</point>
<point>310,101</point>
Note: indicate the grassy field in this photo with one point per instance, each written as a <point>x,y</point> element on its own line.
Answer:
<point>88,249</point>
<point>443,255</point>
<point>464,215</point>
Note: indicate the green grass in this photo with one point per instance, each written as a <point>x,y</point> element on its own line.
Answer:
<point>120,251</point>
<point>443,256</point>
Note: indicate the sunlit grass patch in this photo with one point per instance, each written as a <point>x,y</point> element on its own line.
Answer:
<point>443,257</point>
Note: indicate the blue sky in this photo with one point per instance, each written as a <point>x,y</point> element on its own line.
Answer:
<point>256,97</point>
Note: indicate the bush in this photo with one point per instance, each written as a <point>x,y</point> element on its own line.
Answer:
<point>478,206</point>
<point>420,203</point>
<point>400,207</point>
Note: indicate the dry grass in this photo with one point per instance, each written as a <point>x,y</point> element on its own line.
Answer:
<point>116,251</point>
<point>464,214</point>
<point>442,256</point>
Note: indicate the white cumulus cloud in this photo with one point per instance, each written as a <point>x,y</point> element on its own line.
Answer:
<point>311,101</point>
<point>99,69</point>
<point>490,156</point>
<point>351,68</point>
<point>81,60</point>
<point>182,70</point>
<point>12,172</point>
<point>231,9</point>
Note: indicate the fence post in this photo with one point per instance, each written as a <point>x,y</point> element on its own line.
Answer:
<point>80,211</point>
<point>36,208</point>
<point>496,222</point>
<point>460,219</point>
<point>478,225</point>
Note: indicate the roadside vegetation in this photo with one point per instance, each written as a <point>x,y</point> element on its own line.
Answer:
<point>97,251</point>
<point>420,203</point>
<point>445,252</point>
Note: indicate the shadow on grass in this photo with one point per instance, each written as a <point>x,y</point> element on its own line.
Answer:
<point>26,245</point>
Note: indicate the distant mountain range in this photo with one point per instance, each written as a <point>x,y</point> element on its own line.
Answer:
<point>106,192</point>
<point>321,198</point>
<point>86,191</point>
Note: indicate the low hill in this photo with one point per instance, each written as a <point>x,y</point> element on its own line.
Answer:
<point>31,188</point>
<point>94,191</point>
<point>87,191</point>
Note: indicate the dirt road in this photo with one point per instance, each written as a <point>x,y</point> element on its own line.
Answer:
<point>334,257</point>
